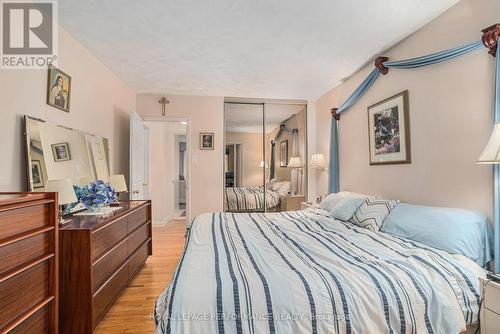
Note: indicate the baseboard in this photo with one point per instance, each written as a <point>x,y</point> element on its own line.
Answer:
<point>161,222</point>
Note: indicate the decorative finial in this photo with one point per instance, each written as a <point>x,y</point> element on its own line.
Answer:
<point>490,38</point>
<point>163,101</point>
<point>379,63</point>
<point>334,114</point>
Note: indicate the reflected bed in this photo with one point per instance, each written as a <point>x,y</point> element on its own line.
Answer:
<point>250,199</point>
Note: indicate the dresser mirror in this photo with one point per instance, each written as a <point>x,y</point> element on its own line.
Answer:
<point>56,152</point>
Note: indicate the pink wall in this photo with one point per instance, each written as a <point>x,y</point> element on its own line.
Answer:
<point>100,104</point>
<point>450,117</point>
<point>206,115</point>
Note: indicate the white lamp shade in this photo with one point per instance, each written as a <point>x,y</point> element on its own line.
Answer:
<point>118,183</point>
<point>262,164</point>
<point>64,189</point>
<point>318,160</point>
<point>295,162</point>
<point>491,153</point>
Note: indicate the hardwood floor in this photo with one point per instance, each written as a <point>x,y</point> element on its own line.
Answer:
<point>132,311</point>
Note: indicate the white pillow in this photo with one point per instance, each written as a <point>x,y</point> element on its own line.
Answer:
<point>346,208</point>
<point>284,187</point>
<point>330,201</point>
<point>276,185</point>
<point>270,183</point>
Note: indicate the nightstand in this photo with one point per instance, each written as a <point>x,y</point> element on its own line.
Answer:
<point>490,311</point>
<point>291,202</point>
<point>305,205</point>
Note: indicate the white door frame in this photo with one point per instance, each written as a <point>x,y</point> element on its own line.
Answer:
<point>188,146</point>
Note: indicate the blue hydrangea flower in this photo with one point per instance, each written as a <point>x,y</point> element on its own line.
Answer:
<point>95,194</point>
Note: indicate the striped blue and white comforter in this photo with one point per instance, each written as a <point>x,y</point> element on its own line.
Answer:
<point>250,199</point>
<point>304,272</point>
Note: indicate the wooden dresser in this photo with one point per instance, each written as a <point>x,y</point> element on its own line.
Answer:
<point>28,263</point>
<point>99,255</point>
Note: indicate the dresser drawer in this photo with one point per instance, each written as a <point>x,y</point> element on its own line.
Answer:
<point>21,252</point>
<point>104,238</point>
<point>138,259</point>
<point>107,264</point>
<point>18,221</point>
<point>37,323</point>
<point>23,291</point>
<point>490,322</point>
<point>492,297</point>
<point>138,237</point>
<point>137,218</point>
<point>108,292</point>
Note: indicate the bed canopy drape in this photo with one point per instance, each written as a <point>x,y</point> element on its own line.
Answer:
<point>490,39</point>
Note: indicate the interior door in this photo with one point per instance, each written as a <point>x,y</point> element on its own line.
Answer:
<point>139,158</point>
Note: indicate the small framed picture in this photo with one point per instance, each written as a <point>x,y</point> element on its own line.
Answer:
<point>284,153</point>
<point>207,141</point>
<point>58,89</point>
<point>389,131</point>
<point>36,174</point>
<point>61,152</point>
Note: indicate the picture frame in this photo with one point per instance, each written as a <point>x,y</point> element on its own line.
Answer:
<point>389,131</point>
<point>61,152</point>
<point>207,140</point>
<point>58,89</point>
<point>37,174</point>
<point>284,153</point>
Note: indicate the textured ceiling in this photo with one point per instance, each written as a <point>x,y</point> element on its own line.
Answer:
<point>249,117</point>
<point>250,48</point>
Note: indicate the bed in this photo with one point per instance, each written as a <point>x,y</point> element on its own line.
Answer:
<point>305,272</point>
<point>250,199</point>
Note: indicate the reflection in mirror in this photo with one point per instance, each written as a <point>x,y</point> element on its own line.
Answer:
<point>265,156</point>
<point>285,154</point>
<point>244,157</point>
<point>55,152</point>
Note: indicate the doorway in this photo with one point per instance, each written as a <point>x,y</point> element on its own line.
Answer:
<point>165,166</point>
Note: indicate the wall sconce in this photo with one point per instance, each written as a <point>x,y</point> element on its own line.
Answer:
<point>163,101</point>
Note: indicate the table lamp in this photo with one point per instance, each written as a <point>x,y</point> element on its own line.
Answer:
<point>296,163</point>
<point>491,153</point>
<point>118,183</point>
<point>65,194</point>
<point>318,161</point>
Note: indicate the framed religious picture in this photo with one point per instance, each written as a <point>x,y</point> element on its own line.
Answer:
<point>389,131</point>
<point>284,153</point>
<point>207,141</point>
<point>61,152</point>
<point>36,174</point>
<point>58,89</point>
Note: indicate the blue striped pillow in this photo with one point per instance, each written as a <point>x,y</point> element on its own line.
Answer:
<point>346,208</point>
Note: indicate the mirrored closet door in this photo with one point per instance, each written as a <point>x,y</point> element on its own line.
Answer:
<point>265,163</point>
<point>244,157</point>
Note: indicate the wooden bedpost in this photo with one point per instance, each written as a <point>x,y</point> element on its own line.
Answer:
<point>379,63</point>
<point>490,38</point>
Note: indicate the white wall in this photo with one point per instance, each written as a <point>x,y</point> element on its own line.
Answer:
<point>162,166</point>
<point>251,156</point>
<point>205,114</point>
<point>100,104</point>
<point>450,118</point>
